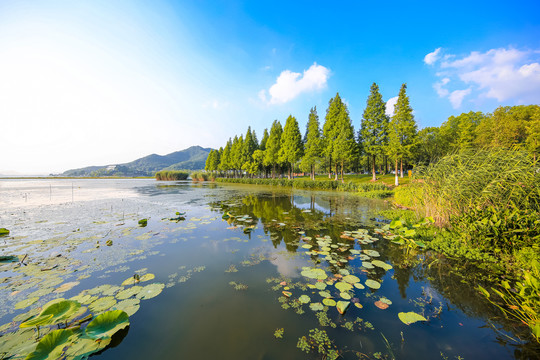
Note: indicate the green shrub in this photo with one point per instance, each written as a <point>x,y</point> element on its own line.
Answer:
<point>171,175</point>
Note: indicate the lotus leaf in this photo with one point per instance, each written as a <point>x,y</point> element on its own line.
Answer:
<point>359,286</point>
<point>307,246</point>
<point>351,279</point>
<point>102,304</point>
<point>129,292</point>
<point>342,306</point>
<point>381,305</point>
<point>25,303</point>
<point>344,272</point>
<point>372,253</point>
<point>85,347</point>
<point>358,305</point>
<point>316,306</point>
<point>410,317</point>
<point>367,265</point>
<point>36,321</point>
<point>304,299</point>
<point>287,293</point>
<point>8,258</point>
<point>150,291</point>
<point>314,273</point>
<point>373,284</point>
<point>51,346</point>
<point>104,326</point>
<point>324,294</point>
<point>4,232</point>
<point>62,310</point>
<point>18,342</point>
<point>143,222</point>
<point>84,299</point>
<point>343,286</point>
<point>329,302</point>
<point>382,264</point>
<point>345,295</point>
<point>386,301</point>
<point>130,306</point>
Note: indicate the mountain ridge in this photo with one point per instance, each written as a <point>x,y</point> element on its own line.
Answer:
<point>192,158</point>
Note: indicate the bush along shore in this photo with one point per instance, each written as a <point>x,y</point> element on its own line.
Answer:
<point>370,190</point>
<point>480,208</point>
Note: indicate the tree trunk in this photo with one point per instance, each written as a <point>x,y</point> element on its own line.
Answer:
<point>292,171</point>
<point>342,181</point>
<point>337,169</point>
<point>386,164</point>
<point>274,171</point>
<point>313,172</point>
<point>373,169</point>
<point>401,174</point>
<point>396,182</point>
<point>330,168</point>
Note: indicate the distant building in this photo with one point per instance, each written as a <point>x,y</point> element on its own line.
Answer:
<point>111,167</point>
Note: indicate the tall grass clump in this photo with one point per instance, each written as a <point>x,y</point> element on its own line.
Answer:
<point>491,197</point>
<point>171,175</point>
<point>199,176</point>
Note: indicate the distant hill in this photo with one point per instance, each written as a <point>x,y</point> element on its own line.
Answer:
<point>192,158</point>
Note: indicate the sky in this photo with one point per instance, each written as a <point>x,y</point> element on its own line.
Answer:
<point>106,82</point>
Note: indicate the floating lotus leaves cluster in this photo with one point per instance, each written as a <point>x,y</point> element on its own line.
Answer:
<point>107,324</point>
<point>373,284</point>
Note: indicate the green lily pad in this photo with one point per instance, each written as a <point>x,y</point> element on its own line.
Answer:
<point>61,310</point>
<point>51,346</point>
<point>307,246</point>
<point>329,302</point>
<point>345,295</point>
<point>316,306</point>
<point>351,279</point>
<point>367,265</point>
<point>359,286</point>
<point>382,264</point>
<point>102,304</point>
<point>4,232</point>
<point>85,347</point>
<point>314,273</point>
<point>150,291</point>
<point>320,286</point>
<point>129,292</point>
<point>373,284</point>
<point>410,317</point>
<point>342,306</point>
<point>25,303</point>
<point>343,286</point>
<point>324,294</point>
<point>130,306</point>
<point>372,253</point>
<point>104,326</point>
<point>304,299</point>
<point>143,222</point>
<point>36,321</point>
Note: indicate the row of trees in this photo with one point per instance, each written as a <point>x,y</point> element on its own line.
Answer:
<point>336,148</point>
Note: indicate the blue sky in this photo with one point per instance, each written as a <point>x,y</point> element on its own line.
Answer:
<point>105,82</point>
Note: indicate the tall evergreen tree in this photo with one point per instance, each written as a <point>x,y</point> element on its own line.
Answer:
<point>345,146</point>
<point>225,163</point>
<point>374,127</point>
<point>264,139</point>
<point>331,128</point>
<point>403,131</point>
<point>313,144</point>
<point>271,155</point>
<point>291,144</point>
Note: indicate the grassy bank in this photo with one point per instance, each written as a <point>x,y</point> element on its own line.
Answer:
<point>485,207</point>
<point>371,190</point>
<point>171,175</point>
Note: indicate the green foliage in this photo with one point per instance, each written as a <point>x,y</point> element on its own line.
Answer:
<point>490,197</point>
<point>373,134</point>
<point>522,301</point>
<point>291,149</point>
<point>200,176</point>
<point>273,145</point>
<point>105,325</point>
<point>313,144</point>
<point>170,175</point>
<point>320,342</point>
<point>4,232</point>
<point>278,334</point>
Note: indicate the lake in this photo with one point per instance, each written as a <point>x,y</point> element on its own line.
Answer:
<point>233,272</point>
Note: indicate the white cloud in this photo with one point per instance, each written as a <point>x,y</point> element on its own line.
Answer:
<point>438,86</point>
<point>432,57</point>
<point>390,106</point>
<point>504,74</point>
<point>457,96</point>
<point>290,85</point>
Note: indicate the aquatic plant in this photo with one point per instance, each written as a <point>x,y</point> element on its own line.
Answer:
<point>4,232</point>
<point>278,334</point>
<point>171,175</point>
<point>320,342</point>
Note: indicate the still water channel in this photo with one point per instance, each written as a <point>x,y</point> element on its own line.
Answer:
<point>231,272</point>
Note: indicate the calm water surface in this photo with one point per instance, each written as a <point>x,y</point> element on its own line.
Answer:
<point>222,296</point>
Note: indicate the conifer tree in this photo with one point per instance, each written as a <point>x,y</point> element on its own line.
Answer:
<point>345,146</point>
<point>374,127</point>
<point>313,144</point>
<point>291,144</point>
<point>225,163</point>
<point>271,155</point>
<point>403,131</point>
<point>264,139</point>
<point>331,129</point>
